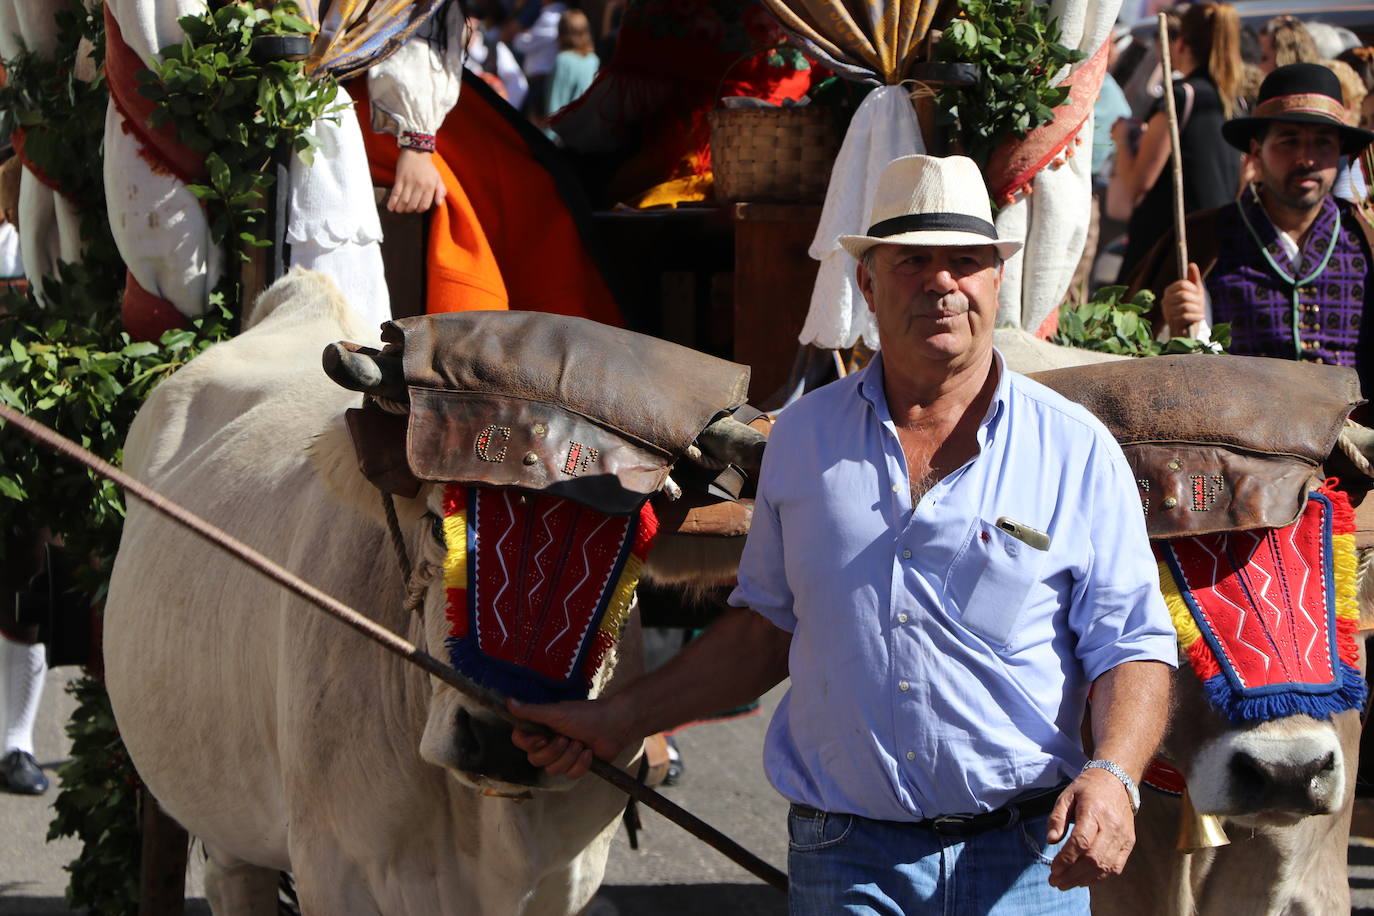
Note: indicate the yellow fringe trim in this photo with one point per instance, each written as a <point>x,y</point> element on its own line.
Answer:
<point>456,560</point>
<point>618,610</point>
<point>1346,572</point>
<point>1184,624</point>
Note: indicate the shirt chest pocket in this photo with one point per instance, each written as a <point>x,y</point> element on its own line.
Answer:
<point>990,582</point>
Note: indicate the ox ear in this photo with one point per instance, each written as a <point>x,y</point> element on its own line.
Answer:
<point>1366,591</point>
<point>364,369</point>
<point>1351,461</point>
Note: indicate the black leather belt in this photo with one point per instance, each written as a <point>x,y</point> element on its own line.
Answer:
<point>1039,802</point>
<point>967,825</point>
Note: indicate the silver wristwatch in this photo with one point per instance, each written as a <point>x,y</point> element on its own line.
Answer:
<point>1120,774</point>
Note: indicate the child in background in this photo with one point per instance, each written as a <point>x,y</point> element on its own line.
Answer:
<point>576,64</point>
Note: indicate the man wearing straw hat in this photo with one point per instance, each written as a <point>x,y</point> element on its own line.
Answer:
<point>945,556</point>
<point>1288,264</point>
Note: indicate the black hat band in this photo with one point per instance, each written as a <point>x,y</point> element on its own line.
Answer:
<point>927,222</point>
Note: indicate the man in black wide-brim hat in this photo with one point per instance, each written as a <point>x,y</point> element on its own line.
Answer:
<point>1287,265</point>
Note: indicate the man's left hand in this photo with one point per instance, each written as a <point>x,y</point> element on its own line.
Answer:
<point>1097,804</point>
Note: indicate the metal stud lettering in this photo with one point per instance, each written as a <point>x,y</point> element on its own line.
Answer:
<point>1144,484</point>
<point>484,439</point>
<point>1206,489</point>
<point>579,457</point>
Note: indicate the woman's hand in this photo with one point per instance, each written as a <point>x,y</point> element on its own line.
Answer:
<point>418,185</point>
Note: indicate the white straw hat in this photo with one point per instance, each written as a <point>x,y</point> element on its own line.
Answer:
<point>930,200</point>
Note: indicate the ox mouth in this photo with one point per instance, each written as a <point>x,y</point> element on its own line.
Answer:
<point>478,751</point>
<point>1261,819</point>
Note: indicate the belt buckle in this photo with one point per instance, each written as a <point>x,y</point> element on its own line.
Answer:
<point>950,824</point>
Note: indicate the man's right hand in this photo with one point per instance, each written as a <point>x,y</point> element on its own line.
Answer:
<point>1183,304</point>
<point>585,728</point>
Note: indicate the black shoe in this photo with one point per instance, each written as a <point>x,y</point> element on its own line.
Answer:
<point>675,765</point>
<point>19,773</point>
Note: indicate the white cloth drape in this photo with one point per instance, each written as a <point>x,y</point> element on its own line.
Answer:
<point>1053,219</point>
<point>884,128</point>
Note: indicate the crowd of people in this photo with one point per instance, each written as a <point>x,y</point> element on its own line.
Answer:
<point>1218,67</point>
<point>539,55</point>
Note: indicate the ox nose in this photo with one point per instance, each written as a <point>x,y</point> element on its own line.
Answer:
<point>1301,787</point>
<point>484,748</point>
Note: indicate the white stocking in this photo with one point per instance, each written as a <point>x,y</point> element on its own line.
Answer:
<point>22,667</point>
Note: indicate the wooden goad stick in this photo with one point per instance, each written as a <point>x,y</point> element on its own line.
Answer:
<point>1199,329</point>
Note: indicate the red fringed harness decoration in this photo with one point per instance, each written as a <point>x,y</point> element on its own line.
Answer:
<point>1268,617</point>
<point>539,588</point>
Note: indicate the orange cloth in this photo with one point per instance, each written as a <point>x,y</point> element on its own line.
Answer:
<point>504,237</point>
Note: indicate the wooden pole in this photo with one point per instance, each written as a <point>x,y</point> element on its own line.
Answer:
<point>162,874</point>
<point>1176,158</point>
<point>485,697</point>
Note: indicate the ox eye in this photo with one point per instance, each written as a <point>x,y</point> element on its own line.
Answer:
<point>436,525</point>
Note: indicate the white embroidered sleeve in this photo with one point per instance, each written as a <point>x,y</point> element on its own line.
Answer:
<point>413,90</point>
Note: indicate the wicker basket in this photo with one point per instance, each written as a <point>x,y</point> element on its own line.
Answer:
<point>781,155</point>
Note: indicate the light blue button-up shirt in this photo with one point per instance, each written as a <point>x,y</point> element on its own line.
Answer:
<point>939,665</point>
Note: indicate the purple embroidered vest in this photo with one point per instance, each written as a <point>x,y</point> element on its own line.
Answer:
<point>1258,303</point>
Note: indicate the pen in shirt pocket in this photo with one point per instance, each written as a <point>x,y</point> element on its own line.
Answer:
<point>1024,533</point>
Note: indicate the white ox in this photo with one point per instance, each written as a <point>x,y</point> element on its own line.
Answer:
<point>279,738</point>
<point>1283,789</point>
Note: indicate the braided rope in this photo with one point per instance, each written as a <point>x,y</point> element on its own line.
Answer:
<point>393,524</point>
<point>1352,451</point>
<point>418,585</point>
<point>390,406</point>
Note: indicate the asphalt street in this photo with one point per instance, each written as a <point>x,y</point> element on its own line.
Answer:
<point>672,874</point>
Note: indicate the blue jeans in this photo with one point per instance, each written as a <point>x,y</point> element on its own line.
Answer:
<point>843,863</point>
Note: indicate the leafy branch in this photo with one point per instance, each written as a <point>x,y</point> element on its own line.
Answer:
<point>1111,323</point>
<point>1016,46</point>
<point>237,110</point>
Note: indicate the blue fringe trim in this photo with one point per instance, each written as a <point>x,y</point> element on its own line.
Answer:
<point>520,683</point>
<point>1349,694</point>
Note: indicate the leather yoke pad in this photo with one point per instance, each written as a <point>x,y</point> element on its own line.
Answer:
<point>495,440</point>
<point>1217,443</point>
<point>1188,489</point>
<point>645,389</point>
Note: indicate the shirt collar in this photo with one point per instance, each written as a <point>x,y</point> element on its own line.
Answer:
<point>871,389</point>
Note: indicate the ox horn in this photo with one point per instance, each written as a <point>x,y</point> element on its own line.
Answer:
<point>368,371</point>
<point>728,441</point>
<point>1198,831</point>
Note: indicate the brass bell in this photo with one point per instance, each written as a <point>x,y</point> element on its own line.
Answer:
<point>1198,831</point>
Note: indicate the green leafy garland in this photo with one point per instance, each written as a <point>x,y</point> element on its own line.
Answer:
<point>99,804</point>
<point>1111,323</point>
<point>1016,46</point>
<point>68,363</point>
<point>237,110</point>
